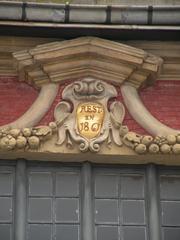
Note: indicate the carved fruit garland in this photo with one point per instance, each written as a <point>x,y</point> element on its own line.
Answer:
<point>148,144</point>
<point>26,138</point>
<point>32,138</point>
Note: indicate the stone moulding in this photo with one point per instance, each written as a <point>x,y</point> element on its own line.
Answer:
<point>87,57</point>
<point>83,118</point>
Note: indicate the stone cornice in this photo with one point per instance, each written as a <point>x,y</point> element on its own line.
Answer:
<point>87,57</point>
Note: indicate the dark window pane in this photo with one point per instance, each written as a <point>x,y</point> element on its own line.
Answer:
<point>40,184</point>
<point>106,211</point>
<point>107,233</point>
<point>132,186</point>
<point>67,232</point>
<point>67,210</point>
<point>6,184</point>
<point>5,232</point>
<point>67,184</point>
<point>40,210</point>
<point>171,213</point>
<point>106,186</point>
<point>134,233</point>
<point>133,212</point>
<point>40,232</point>
<point>171,233</point>
<point>170,187</point>
<point>5,209</point>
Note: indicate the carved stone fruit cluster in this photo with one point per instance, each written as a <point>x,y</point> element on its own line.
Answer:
<point>31,138</point>
<point>26,138</point>
<point>147,144</point>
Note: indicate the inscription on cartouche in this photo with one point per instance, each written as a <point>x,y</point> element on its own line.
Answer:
<point>90,116</point>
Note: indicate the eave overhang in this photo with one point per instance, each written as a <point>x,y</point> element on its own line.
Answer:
<point>83,13</point>
<point>123,22</point>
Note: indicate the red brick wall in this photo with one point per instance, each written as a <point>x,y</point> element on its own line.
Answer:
<point>15,98</point>
<point>162,100</point>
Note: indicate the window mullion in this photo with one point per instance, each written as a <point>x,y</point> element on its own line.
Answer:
<point>20,200</point>
<point>153,203</point>
<point>87,203</point>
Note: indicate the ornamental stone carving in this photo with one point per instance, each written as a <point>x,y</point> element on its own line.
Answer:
<point>25,138</point>
<point>83,116</point>
<point>85,120</point>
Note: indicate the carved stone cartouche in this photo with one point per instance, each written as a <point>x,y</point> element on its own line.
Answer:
<point>90,123</point>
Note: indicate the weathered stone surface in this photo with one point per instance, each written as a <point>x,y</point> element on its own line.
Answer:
<point>87,57</point>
